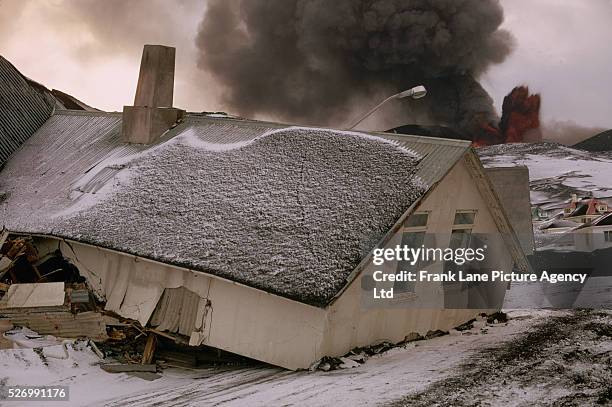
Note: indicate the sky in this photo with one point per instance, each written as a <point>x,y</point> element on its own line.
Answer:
<point>80,47</point>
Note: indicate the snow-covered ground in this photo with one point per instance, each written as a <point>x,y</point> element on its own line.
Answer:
<point>555,171</point>
<point>402,375</point>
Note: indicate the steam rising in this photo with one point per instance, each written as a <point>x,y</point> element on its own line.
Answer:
<point>314,61</point>
<point>568,132</point>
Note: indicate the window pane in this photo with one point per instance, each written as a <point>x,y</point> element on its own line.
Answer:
<point>464,218</point>
<point>403,287</point>
<point>460,238</point>
<point>416,219</point>
<point>410,239</point>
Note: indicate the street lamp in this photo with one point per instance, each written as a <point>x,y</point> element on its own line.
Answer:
<point>416,93</point>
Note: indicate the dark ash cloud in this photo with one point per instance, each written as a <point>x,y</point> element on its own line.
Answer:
<point>314,61</point>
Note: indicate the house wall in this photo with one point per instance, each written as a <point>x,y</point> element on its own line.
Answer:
<point>512,186</point>
<point>351,325</point>
<point>230,316</point>
<point>591,238</point>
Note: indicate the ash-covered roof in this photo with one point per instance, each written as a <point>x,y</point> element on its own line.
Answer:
<point>24,107</point>
<point>288,210</point>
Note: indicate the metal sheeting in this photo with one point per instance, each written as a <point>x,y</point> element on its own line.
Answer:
<point>225,130</point>
<point>23,109</point>
<point>437,155</point>
<point>64,157</point>
<point>176,311</point>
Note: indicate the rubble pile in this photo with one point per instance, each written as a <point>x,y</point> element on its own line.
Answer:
<point>43,293</point>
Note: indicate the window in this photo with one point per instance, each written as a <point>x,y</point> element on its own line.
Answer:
<point>416,220</point>
<point>464,217</point>
<point>460,238</point>
<point>413,235</point>
<point>608,235</point>
<point>410,239</point>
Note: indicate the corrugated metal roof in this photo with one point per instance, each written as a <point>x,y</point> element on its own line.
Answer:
<point>23,109</point>
<point>176,311</point>
<point>64,158</point>
<point>437,155</point>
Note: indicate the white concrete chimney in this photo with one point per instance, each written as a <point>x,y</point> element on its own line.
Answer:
<point>152,113</point>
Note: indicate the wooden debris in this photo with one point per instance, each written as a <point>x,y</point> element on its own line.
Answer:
<point>124,368</point>
<point>116,334</point>
<point>58,321</point>
<point>149,350</point>
<point>95,349</point>
<point>166,335</point>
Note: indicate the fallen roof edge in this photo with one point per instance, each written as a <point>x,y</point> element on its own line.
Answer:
<point>177,266</point>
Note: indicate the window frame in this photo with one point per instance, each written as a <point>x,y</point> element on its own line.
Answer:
<point>464,225</point>
<point>397,285</point>
<point>418,228</point>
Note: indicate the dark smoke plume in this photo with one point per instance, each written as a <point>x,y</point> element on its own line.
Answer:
<point>314,61</point>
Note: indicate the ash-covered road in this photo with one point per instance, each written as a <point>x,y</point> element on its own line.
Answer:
<point>564,361</point>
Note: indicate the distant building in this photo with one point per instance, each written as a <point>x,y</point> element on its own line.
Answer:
<point>539,214</point>
<point>595,235</point>
<point>559,226</point>
<point>584,210</point>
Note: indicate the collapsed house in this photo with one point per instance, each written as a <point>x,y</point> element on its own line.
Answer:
<point>246,236</point>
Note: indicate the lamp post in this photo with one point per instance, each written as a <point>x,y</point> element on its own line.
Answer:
<point>415,93</point>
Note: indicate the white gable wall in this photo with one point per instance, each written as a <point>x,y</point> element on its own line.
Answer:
<point>352,325</point>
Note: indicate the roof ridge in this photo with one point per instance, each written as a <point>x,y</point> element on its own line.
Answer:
<point>68,112</point>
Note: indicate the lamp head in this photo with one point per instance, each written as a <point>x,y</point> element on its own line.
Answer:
<point>415,93</point>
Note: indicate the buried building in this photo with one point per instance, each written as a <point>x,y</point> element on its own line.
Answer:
<point>247,236</point>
